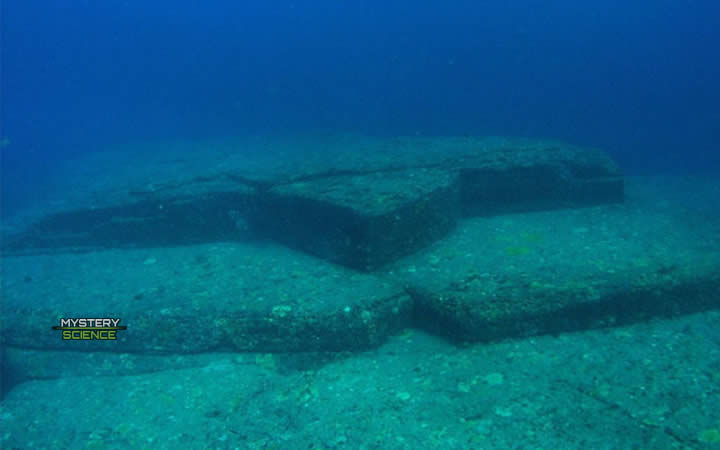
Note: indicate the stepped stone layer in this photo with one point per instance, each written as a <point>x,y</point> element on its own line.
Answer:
<point>657,254</point>
<point>363,221</point>
<point>548,272</point>
<point>536,178</point>
<point>191,212</point>
<point>359,202</point>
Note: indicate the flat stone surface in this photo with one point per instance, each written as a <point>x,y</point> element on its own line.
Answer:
<point>199,298</point>
<point>658,254</point>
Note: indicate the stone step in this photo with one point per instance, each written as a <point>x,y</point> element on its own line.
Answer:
<point>361,203</point>
<point>362,221</point>
<point>658,254</point>
<point>240,297</point>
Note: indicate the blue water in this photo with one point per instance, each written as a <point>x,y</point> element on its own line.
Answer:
<point>593,327</point>
<point>638,79</point>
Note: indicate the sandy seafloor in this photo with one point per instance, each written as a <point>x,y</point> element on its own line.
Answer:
<point>652,385</point>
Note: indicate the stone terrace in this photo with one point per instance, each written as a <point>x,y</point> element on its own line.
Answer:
<point>472,239</point>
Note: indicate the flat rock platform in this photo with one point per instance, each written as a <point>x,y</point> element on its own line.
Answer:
<point>263,259</point>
